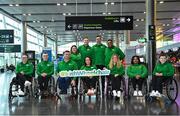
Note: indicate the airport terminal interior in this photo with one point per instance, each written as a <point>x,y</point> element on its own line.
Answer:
<point>143,28</point>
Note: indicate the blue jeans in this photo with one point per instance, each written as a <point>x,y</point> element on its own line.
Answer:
<point>64,84</point>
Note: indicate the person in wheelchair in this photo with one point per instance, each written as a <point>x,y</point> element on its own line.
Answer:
<point>90,81</point>
<point>24,71</point>
<point>45,70</point>
<point>66,65</point>
<point>137,73</point>
<point>162,72</point>
<point>116,75</point>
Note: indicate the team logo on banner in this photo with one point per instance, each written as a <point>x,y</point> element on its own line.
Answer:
<point>84,73</point>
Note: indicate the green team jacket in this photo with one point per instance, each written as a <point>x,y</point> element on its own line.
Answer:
<point>99,54</point>
<point>166,69</point>
<point>67,66</point>
<point>137,69</point>
<point>45,67</point>
<point>85,51</point>
<point>110,51</point>
<point>26,68</point>
<point>77,59</point>
<point>115,70</point>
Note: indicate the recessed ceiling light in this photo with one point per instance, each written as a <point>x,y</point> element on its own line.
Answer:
<point>29,14</point>
<point>45,27</point>
<point>174,19</point>
<point>41,27</point>
<point>64,14</point>
<point>38,21</point>
<point>137,19</point>
<point>17,5</point>
<point>167,24</point>
<point>10,4</point>
<point>142,19</point>
<point>164,25</point>
<point>69,13</point>
<point>136,25</point>
<point>109,13</point>
<point>24,14</point>
<point>58,4</point>
<point>161,2</point>
<point>103,13</point>
<point>112,3</point>
<point>64,4</point>
<point>144,12</point>
<point>106,3</point>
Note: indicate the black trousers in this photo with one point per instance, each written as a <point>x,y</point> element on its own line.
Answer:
<point>43,82</point>
<point>116,82</point>
<point>90,82</point>
<point>20,80</point>
<point>102,77</point>
<point>157,82</point>
<point>138,82</point>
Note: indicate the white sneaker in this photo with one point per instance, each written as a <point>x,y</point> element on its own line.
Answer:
<point>27,83</point>
<point>20,92</point>
<point>140,93</point>
<point>158,94</point>
<point>135,93</point>
<point>114,93</point>
<point>119,94</point>
<point>153,93</point>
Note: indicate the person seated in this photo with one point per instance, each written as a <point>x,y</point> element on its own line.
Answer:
<point>163,72</point>
<point>89,81</point>
<point>24,71</point>
<point>116,74</point>
<point>137,72</point>
<point>66,65</point>
<point>45,70</point>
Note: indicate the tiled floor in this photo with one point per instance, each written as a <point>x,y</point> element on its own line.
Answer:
<point>85,106</point>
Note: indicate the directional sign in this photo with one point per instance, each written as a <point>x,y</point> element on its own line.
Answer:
<point>6,36</point>
<point>10,48</point>
<point>99,23</point>
<point>152,32</point>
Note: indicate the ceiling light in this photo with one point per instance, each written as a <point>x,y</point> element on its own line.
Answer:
<point>109,13</point>
<point>112,3</point>
<point>45,27</point>
<point>137,19</point>
<point>103,13</point>
<point>106,3</point>
<point>161,2</point>
<point>10,4</point>
<point>69,13</point>
<point>29,14</point>
<point>167,24</point>
<point>34,21</point>
<point>24,14</point>
<point>38,21</point>
<point>142,19</point>
<point>136,25</point>
<point>64,14</point>
<point>164,25</point>
<point>144,12</point>
<point>58,4</point>
<point>41,27</point>
<point>17,5</point>
<point>64,4</point>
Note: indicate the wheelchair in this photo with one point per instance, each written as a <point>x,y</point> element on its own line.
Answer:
<point>169,89</point>
<point>51,88</point>
<point>130,88</point>
<point>14,87</point>
<point>108,87</point>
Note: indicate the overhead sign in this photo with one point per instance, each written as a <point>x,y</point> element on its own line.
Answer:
<point>99,23</point>
<point>152,32</point>
<point>6,36</point>
<point>10,48</point>
<point>84,73</point>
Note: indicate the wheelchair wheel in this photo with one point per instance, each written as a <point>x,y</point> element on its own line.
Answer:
<point>145,87</point>
<point>51,86</point>
<point>123,87</point>
<point>172,89</point>
<point>12,89</point>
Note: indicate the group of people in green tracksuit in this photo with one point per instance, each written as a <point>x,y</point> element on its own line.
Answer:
<point>101,57</point>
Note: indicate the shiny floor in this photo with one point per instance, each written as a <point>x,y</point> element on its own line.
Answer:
<point>80,106</point>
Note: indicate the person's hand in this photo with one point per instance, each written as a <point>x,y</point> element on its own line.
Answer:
<point>43,74</point>
<point>104,68</point>
<point>73,83</point>
<point>159,74</point>
<point>138,76</point>
<point>116,75</point>
<point>22,72</point>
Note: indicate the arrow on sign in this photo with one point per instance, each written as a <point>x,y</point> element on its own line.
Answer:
<point>128,19</point>
<point>69,26</point>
